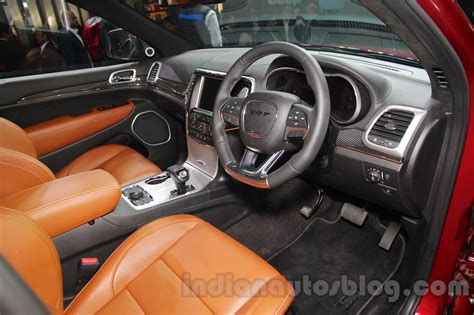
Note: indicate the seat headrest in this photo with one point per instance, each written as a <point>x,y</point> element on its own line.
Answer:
<point>14,138</point>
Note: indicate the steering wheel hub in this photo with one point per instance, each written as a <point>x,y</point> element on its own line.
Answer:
<point>263,120</point>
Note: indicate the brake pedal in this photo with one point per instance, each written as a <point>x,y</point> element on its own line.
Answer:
<point>353,214</point>
<point>307,211</point>
<point>390,235</point>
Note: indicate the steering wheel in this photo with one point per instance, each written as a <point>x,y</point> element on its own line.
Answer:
<point>271,122</point>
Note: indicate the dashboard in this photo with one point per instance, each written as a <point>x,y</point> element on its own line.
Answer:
<point>383,126</point>
<point>346,100</point>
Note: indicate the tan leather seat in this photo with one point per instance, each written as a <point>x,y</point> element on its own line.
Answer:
<point>176,265</point>
<point>21,169</point>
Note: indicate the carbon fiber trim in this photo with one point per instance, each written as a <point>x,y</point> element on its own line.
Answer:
<point>352,139</point>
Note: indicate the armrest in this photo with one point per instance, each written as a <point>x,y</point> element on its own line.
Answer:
<point>66,203</point>
<point>57,133</point>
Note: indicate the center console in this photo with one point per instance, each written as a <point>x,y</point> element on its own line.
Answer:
<point>202,163</point>
<point>175,182</point>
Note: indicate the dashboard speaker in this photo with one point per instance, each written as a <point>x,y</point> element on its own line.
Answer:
<point>151,128</point>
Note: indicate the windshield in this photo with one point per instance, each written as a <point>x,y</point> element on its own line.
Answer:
<point>313,24</point>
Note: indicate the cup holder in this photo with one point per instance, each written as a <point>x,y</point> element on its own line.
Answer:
<point>158,179</point>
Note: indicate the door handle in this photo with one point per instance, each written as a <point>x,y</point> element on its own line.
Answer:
<point>123,76</point>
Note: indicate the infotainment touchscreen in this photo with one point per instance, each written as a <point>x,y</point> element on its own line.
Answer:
<point>208,93</point>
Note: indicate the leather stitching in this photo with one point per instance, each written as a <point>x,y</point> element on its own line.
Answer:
<point>199,298</point>
<point>130,246</point>
<point>133,298</point>
<point>119,260</point>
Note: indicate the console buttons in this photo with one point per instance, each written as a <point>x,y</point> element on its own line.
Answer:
<point>137,195</point>
<point>296,118</point>
<point>391,144</point>
<point>200,127</point>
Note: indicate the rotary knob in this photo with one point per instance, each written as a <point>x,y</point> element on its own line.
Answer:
<point>136,195</point>
<point>374,177</point>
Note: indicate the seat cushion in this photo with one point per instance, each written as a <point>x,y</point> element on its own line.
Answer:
<point>124,163</point>
<point>183,265</point>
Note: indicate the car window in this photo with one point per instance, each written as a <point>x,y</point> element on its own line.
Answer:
<point>468,7</point>
<point>44,36</point>
<point>313,24</point>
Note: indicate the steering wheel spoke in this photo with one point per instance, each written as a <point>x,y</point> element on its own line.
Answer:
<point>231,109</point>
<point>297,124</point>
<point>257,164</point>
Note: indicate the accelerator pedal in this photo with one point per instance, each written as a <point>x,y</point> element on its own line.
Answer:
<point>390,235</point>
<point>353,214</point>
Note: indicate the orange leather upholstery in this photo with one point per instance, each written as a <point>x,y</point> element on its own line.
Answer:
<point>125,164</point>
<point>30,251</point>
<point>20,171</point>
<point>57,133</point>
<point>167,267</point>
<point>15,138</point>
<point>64,204</point>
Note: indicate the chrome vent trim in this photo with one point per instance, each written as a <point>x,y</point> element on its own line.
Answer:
<point>392,126</point>
<point>441,77</point>
<point>404,122</point>
<point>154,72</point>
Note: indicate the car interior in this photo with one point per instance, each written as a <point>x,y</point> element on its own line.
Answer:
<point>274,162</point>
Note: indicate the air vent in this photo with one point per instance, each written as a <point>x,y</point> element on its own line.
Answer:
<point>240,86</point>
<point>153,73</point>
<point>390,128</point>
<point>442,80</point>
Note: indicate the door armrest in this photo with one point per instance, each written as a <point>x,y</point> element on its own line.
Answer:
<point>66,203</point>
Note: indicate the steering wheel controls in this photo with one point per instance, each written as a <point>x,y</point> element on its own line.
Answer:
<point>296,118</point>
<point>296,125</point>
<point>231,112</point>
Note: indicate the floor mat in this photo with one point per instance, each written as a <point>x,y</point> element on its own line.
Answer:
<point>278,222</point>
<point>329,251</point>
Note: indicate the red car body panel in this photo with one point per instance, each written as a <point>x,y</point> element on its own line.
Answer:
<point>455,26</point>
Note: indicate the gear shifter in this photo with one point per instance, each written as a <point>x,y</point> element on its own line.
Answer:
<point>180,176</point>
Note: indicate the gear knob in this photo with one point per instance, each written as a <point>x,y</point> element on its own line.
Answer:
<point>180,176</point>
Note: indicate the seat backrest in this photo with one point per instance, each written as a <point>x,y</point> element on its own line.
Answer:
<point>30,251</point>
<point>19,167</point>
<point>14,138</point>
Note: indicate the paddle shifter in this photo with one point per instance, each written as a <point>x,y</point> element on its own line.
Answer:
<point>180,176</point>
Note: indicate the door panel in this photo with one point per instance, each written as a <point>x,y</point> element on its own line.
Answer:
<point>52,135</point>
<point>59,112</point>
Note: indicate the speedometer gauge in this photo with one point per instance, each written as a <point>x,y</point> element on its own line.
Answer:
<point>345,104</point>
<point>344,92</point>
